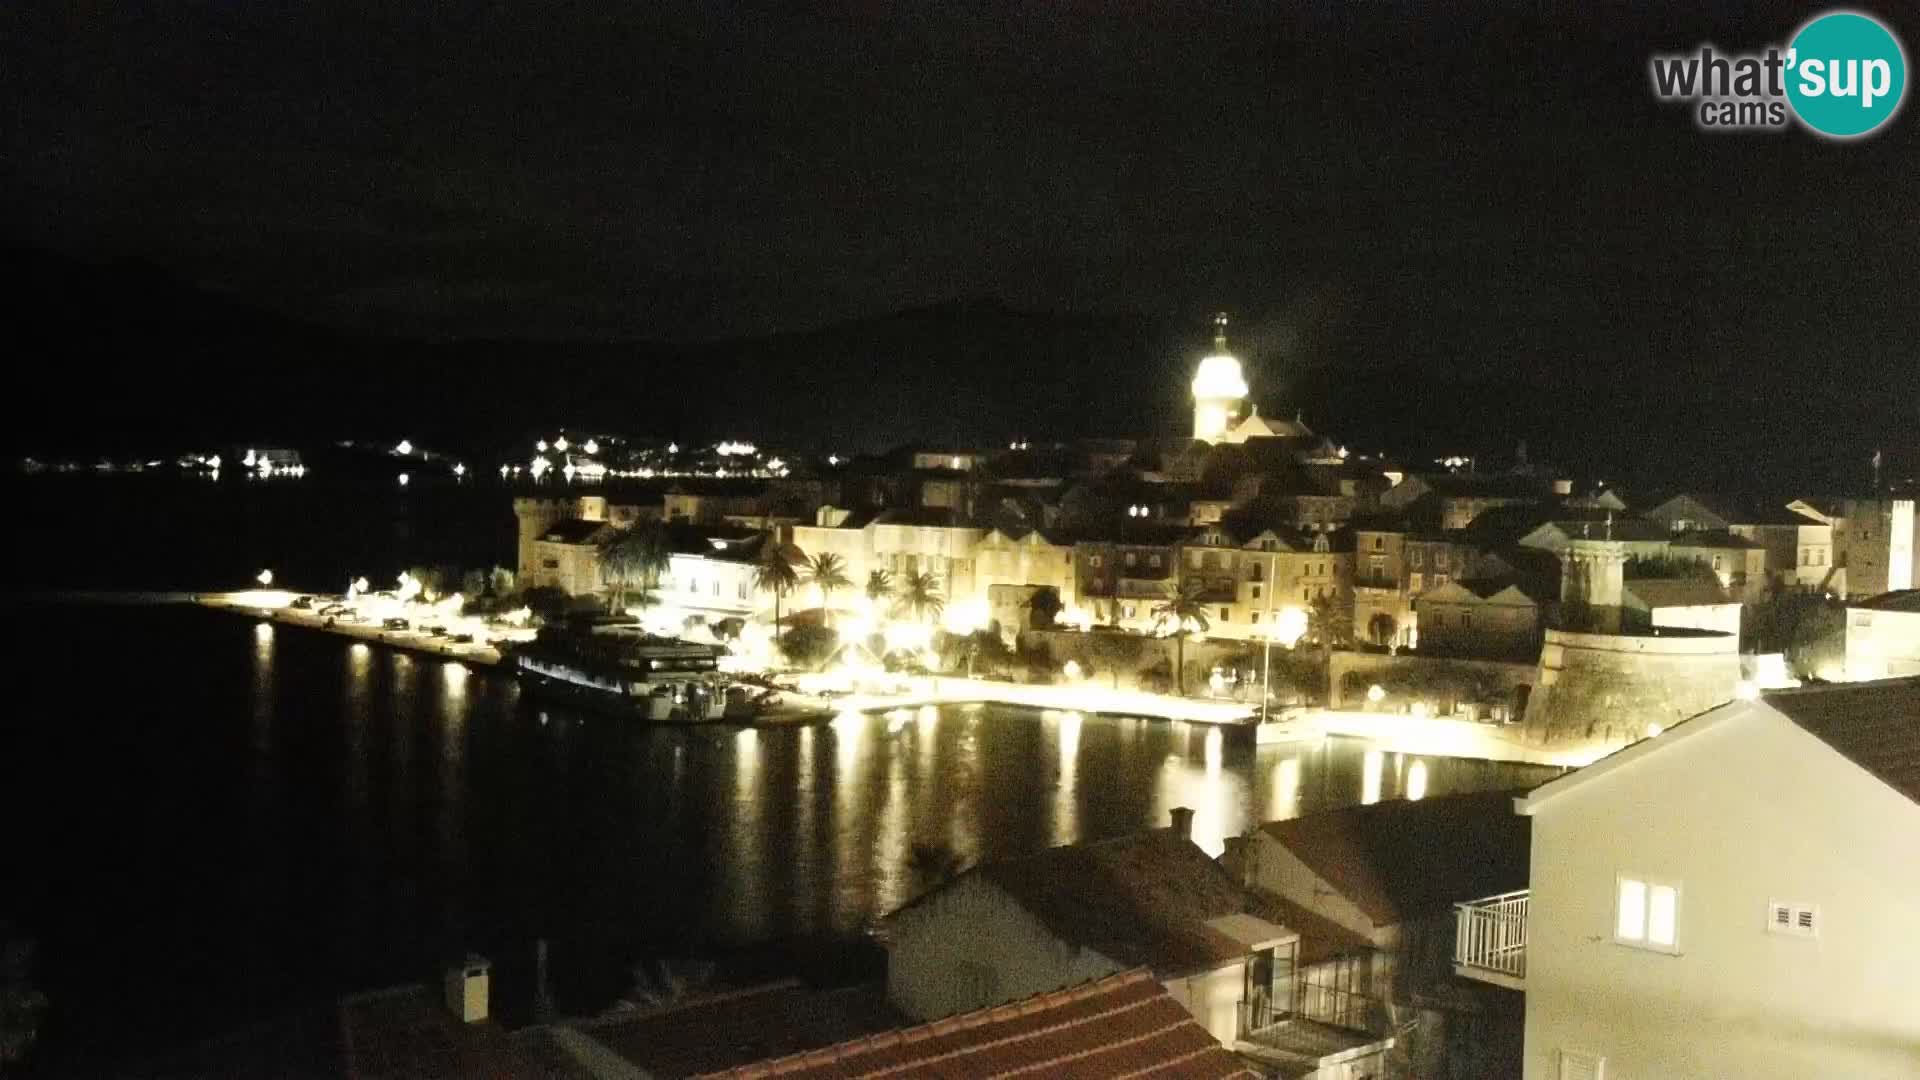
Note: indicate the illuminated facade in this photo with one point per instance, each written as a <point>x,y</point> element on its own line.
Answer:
<point>1218,389</point>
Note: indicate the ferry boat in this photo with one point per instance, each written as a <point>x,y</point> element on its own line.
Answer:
<point>616,667</point>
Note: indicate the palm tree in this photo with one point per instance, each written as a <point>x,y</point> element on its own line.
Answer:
<point>634,555</point>
<point>1328,624</point>
<point>652,556</point>
<point>619,565</point>
<point>776,575</point>
<point>1045,607</point>
<point>879,586</point>
<point>827,572</point>
<point>1182,607</point>
<point>920,597</point>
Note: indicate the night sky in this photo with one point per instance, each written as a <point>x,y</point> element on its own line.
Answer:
<point>1492,197</point>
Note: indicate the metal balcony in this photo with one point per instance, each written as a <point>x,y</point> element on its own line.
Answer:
<point>1490,939</point>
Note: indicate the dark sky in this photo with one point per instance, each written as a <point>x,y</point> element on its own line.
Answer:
<point>1483,187</point>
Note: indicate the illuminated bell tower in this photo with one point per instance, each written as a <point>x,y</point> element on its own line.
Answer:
<point>1218,388</point>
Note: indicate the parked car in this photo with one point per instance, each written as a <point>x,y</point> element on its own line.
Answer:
<point>436,630</point>
<point>302,603</point>
<point>461,639</point>
<point>335,609</point>
<point>395,623</point>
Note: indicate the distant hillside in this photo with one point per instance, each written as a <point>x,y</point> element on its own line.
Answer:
<point>126,357</point>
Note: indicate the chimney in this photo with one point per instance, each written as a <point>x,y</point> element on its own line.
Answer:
<point>1183,821</point>
<point>466,986</point>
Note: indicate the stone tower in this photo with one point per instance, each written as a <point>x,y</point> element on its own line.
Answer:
<point>1592,580</point>
<point>1218,388</point>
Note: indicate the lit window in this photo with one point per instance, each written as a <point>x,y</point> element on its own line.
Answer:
<point>1646,914</point>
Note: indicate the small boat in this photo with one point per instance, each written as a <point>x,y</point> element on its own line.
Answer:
<point>1290,726</point>
<point>615,667</point>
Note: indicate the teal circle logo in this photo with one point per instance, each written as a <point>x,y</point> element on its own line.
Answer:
<point>1846,74</point>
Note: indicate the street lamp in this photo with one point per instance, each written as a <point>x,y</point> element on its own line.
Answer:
<point>1290,625</point>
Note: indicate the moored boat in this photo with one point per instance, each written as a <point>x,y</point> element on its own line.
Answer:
<point>616,667</point>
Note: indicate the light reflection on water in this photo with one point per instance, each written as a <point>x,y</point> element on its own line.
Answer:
<point>537,814</point>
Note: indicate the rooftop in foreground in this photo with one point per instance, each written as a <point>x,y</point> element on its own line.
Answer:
<point>1123,1025</point>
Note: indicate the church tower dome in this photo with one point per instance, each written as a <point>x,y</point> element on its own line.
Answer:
<point>1218,388</point>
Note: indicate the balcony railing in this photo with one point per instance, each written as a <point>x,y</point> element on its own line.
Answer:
<point>1306,999</point>
<point>1490,938</point>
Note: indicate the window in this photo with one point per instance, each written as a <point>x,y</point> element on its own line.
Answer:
<point>1226,614</point>
<point>1466,621</point>
<point>1253,573</point>
<point>1379,542</point>
<point>1256,592</point>
<point>550,564</point>
<point>1153,561</point>
<point>1131,558</point>
<point>1646,914</point>
<point>1095,561</point>
<point>1255,619</point>
<point>1794,920</point>
<point>1416,581</point>
<point>1581,1065</point>
<point>1126,611</point>
<point>1414,556</point>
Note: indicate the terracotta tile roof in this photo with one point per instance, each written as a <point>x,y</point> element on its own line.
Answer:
<point>1714,539</point>
<point>1144,898</point>
<point>1875,725</point>
<point>407,1034</point>
<point>1121,1026</point>
<point>1905,601</point>
<point>1678,592</point>
<point>1320,937</point>
<point>1404,859</point>
<point>720,1031</point>
<point>574,531</point>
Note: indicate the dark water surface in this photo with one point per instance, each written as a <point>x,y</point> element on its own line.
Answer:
<point>212,818</point>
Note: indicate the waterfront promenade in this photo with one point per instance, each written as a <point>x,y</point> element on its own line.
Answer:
<point>1393,732</point>
<point>252,602</point>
